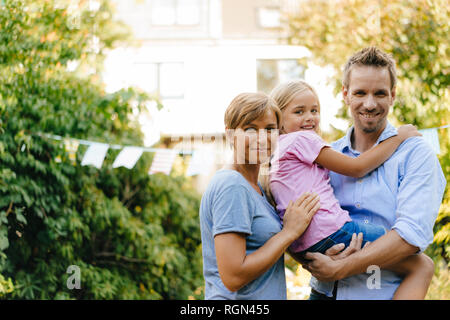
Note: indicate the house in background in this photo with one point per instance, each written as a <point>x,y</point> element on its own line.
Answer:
<point>197,55</point>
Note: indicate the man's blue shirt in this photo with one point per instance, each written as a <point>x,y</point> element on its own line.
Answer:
<point>404,194</point>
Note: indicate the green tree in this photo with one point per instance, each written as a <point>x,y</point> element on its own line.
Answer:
<point>133,235</point>
<point>415,32</point>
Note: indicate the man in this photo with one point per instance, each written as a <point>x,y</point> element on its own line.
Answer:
<point>403,195</point>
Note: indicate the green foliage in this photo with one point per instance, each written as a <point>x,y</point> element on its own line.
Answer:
<point>133,235</point>
<point>440,285</point>
<point>6,286</point>
<point>416,34</point>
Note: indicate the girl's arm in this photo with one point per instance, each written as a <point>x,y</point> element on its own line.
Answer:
<point>367,161</point>
<point>237,269</point>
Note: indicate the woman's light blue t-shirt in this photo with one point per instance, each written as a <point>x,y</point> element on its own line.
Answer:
<point>230,204</point>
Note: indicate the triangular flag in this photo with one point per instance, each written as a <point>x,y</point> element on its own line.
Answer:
<point>431,137</point>
<point>163,161</point>
<point>71,147</point>
<point>128,157</point>
<point>201,162</point>
<point>95,154</point>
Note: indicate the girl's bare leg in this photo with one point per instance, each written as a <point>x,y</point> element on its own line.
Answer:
<point>418,271</point>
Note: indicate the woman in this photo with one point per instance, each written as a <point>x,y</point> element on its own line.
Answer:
<point>243,240</point>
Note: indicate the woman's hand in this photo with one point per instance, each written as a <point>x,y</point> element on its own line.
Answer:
<point>237,269</point>
<point>298,214</point>
<point>407,131</point>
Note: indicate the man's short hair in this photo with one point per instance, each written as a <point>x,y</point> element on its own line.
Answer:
<point>370,56</point>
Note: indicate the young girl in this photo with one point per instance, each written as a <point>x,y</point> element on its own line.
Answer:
<point>302,163</point>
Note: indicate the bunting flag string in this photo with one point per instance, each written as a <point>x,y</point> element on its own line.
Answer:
<point>201,162</point>
<point>128,157</point>
<point>71,147</point>
<point>95,155</point>
<point>430,135</point>
<point>163,160</point>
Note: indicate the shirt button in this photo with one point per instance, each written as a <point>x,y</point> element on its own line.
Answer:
<point>366,221</point>
<point>360,181</point>
<point>358,205</point>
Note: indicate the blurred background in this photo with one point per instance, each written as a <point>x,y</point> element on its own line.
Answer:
<point>158,75</point>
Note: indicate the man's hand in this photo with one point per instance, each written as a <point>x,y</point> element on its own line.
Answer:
<point>336,253</point>
<point>328,267</point>
<point>322,267</point>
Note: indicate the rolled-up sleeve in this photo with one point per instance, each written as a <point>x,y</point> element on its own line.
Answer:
<point>419,196</point>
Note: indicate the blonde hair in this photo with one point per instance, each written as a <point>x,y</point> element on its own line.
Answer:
<point>283,94</point>
<point>264,180</point>
<point>370,56</point>
<point>247,107</point>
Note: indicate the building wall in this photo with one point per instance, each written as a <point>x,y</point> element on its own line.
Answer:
<point>196,70</point>
<point>210,78</point>
<point>242,19</point>
<point>170,21</point>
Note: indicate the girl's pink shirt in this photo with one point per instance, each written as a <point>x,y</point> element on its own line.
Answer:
<point>293,172</point>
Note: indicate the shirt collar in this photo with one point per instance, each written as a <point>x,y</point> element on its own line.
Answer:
<point>346,143</point>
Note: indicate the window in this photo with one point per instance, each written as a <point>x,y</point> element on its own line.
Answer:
<point>176,12</point>
<point>164,79</point>
<point>271,72</point>
<point>269,17</point>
